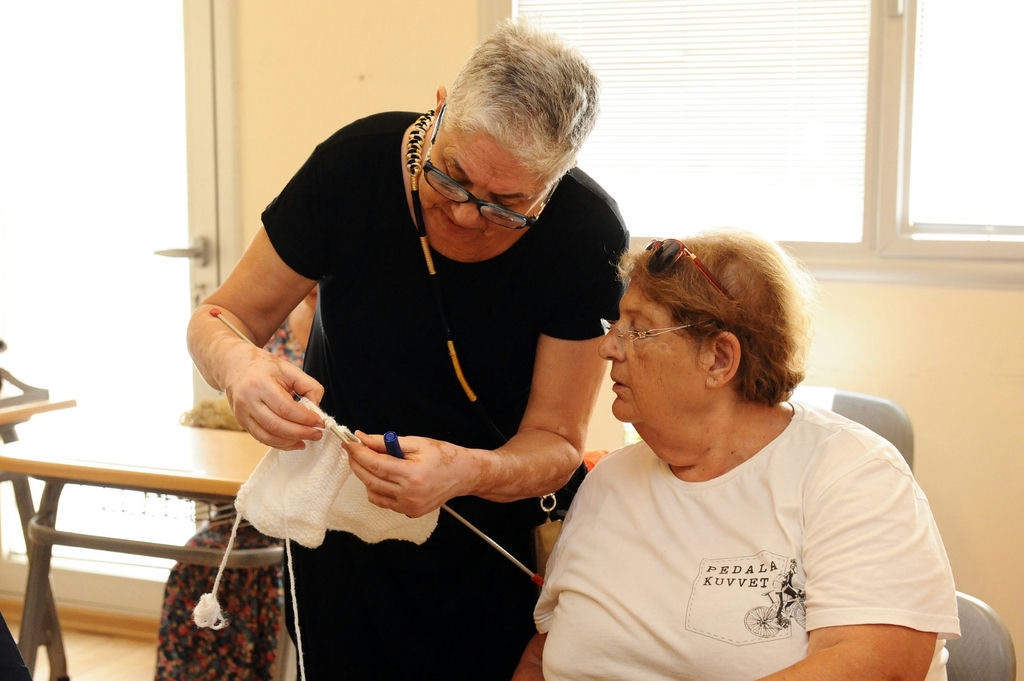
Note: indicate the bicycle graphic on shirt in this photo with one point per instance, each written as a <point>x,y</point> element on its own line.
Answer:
<point>766,621</point>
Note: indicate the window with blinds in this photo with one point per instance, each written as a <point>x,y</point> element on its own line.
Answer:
<point>847,127</point>
<point>748,113</point>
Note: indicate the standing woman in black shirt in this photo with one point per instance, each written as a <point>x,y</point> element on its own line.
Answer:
<point>464,265</point>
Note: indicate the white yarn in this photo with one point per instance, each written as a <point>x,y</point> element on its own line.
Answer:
<point>295,610</point>
<point>207,613</point>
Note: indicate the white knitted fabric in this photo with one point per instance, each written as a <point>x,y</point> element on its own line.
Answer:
<point>289,493</point>
<point>299,495</point>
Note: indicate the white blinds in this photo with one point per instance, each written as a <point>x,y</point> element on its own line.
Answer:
<point>749,113</point>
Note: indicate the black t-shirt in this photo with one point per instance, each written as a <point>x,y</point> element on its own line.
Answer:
<point>378,346</point>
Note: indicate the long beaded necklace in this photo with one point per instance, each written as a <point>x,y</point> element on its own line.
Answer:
<point>414,162</point>
<point>414,153</point>
<point>546,533</point>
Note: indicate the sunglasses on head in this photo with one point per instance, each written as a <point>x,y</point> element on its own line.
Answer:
<point>666,252</point>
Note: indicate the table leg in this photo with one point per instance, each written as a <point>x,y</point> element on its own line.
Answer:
<point>39,623</point>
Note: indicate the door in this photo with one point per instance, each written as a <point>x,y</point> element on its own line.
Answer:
<point>107,154</point>
<point>95,157</point>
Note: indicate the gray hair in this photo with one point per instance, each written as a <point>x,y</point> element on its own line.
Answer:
<point>532,93</point>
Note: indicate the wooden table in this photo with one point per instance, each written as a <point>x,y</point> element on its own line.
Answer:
<point>196,463</point>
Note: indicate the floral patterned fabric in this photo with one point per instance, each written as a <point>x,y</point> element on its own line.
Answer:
<point>253,599</point>
<point>284,344</point>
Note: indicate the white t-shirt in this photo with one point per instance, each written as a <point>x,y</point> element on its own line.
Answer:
<point>657,578</point>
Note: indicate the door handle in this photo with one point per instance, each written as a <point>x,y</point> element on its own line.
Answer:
<point>199,251</point>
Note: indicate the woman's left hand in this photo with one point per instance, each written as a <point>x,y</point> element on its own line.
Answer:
<point>430,473</point>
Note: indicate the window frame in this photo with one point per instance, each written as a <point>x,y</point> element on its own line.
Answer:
<point>891,250</point>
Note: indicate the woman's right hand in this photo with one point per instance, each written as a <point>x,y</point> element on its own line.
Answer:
<point>260,388</point>
<point>253,301</point>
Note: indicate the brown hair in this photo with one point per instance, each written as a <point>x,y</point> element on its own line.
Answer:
<point>768,306</point>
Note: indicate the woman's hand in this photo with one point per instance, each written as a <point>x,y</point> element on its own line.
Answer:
<point>260,388</point>
<point>431,472</point>
<point>252,302</point>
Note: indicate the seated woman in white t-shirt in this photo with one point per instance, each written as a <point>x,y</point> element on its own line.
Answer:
<point>746,536</point>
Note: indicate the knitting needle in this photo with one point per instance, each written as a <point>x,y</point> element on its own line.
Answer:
<point>534,577</point>
<point>393,448</point>
<point>220,315</point>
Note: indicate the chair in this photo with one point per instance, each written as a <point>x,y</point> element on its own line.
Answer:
<point>984,651</point>
<point>884,417</point>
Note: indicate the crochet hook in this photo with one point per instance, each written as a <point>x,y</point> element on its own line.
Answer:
<point>391,444</point>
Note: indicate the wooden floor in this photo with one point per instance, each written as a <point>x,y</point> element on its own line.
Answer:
<point>102,657</point>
